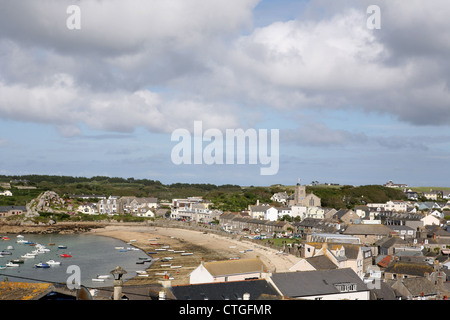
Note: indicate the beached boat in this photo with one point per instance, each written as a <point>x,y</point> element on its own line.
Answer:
<point>141,272</point>
<point>42,265</point>
<point>152,252</point>
<point>187,253</point>
<point>140,262</point>
<point>179,251</point>
<point>175,267</point>
<point>142,275</point>
<point>53,263</point>
<point>65,255</point>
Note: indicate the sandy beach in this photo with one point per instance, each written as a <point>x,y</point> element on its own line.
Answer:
<point>169,242</point>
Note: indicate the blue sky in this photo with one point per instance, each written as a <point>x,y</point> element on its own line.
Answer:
<point>352,105</point>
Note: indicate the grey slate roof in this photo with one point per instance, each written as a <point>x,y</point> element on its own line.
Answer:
<point>311,283</point>
<point>321,263</point>
<point>232,290</point>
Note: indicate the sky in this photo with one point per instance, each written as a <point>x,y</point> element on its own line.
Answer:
<point>101,91</point>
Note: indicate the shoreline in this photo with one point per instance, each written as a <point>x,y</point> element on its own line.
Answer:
<point>204,246</point>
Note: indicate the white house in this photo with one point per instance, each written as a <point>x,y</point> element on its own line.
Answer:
<point>271,214</point>
<point>337,284</point>
<point>87,208</point>
<point>6,193</point>
<point>437,214</point>
<point>429,220</point>
<point>308,212</point>
<point>228,270</point>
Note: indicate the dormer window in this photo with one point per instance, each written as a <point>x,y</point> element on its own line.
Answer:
<point>345,287</point>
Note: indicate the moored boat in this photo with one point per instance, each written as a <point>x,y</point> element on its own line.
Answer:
<point>53,263</point>
<point>42,265</point>
<point>62,247</point>
<point>5,253</point>
<point>11,265</point>
<point>21,261</point>
<point>65,255</point>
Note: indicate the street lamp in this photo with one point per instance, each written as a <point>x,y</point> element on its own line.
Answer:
<point>117,273</point>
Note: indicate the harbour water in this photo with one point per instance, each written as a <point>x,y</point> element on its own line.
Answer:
<point>93,255</point>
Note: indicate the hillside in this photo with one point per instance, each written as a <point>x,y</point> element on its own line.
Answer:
<point>225,197</point>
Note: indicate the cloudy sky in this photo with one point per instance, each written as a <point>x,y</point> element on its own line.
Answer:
<point>353,105</point>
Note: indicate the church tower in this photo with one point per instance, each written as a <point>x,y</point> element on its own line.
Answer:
<point>300,194</point>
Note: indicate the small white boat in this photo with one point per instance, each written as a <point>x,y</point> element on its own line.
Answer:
<point>179,251</point>
<point>166,265</point>
<point>10,248</point>
<point>28,256</point>
<point>53,263</point>
<point>142,275</point>
<point>160,249</point>
<point>103,276</point>
<point>168,258</point>
<point>119,248</point>
<point>175,267</point>
<point>21,241</point>
<point>10,264</point>
<point>141,272</point>
<point>187,254</point>
<point>19,236</point>
<point>134,240</point>
<point>98,280</point>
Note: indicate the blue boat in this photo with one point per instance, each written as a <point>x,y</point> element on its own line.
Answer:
<point>62,247</point>
<point>152,252</point>
<point>42,265</point>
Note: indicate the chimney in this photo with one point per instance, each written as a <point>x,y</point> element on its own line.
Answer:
<point>162,295</point>
<point>246,296</point>
<point>257,202</point>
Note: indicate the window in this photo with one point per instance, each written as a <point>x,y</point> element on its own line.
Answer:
<point>345,287</point>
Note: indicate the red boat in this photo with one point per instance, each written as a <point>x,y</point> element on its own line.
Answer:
<point>65,255</point>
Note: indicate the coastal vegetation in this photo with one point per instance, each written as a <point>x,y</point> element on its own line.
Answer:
<point>224,197</point>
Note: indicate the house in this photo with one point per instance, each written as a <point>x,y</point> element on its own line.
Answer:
<point>6,211</point>
<point>6,193</point>
<point>415,289</point>
<point>88,208</point>
<point>431,195</point>
<point>307,212</point>
<point>336,284</point>
<point>403,270</point>
<point>228,270</point>
<point>280,197</point>
<point>108,206</point>
<point>388,245</point>
<point>391,184</point>
<point>412,195</point>
<point>320,262</point>
<point>430,220</point>
<point>231,290</point>
<point>368,233</point>
<point>345,216</point>
<point>342,255</point>
<point>362,211</point>
<point>258,211</point>
<point>403,232</point>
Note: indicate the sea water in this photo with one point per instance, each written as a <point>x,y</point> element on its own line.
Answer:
<point>93,255</point>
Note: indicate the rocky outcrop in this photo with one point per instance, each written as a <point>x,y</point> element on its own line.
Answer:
<point>59,228</point>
